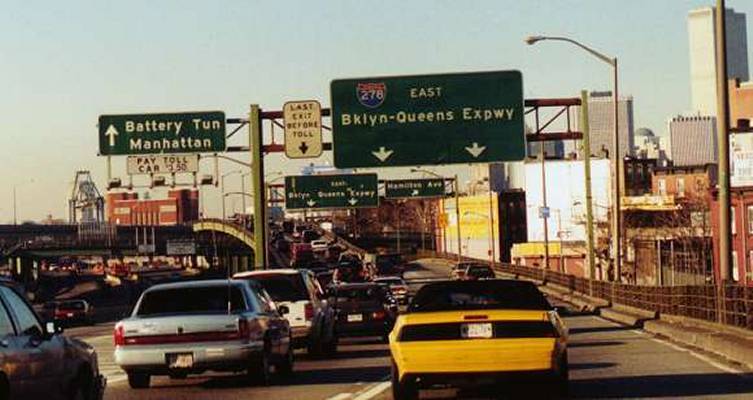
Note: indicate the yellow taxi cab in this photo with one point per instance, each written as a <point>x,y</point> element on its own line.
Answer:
<point>478,333</point>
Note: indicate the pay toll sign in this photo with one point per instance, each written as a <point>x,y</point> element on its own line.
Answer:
<point>163,164</point>
<point>194,132</point>
<point>331,191</point>
<point>428,119</point>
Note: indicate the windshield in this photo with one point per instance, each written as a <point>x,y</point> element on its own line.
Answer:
<point>77,305</point>
<point>191,300</point>
<point>368,294</point>
<point>283,287</point>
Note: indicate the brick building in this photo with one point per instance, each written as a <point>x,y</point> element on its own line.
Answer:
<point>684,182</point>
<point>741,216</point>
<point>740,103</point>
<point>180,206</point>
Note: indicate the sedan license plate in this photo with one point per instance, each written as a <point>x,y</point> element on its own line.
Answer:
<point>180,360</point>
<point>70,315</point>
<point>476,331</point>
<point>355,317</point>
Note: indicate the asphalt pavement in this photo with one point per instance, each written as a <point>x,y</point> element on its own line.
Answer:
<point>606,361</point>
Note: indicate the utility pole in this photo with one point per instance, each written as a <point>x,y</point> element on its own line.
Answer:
<point>544,211</point>
<point>617,161</point>
<point>722,130</point>
<point>585,128</point>
<point>457,218</point>
<point>257,185</point>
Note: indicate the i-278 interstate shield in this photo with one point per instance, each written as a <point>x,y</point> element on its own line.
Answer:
<point>428,119</point>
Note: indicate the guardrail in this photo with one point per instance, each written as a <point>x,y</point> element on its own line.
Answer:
<point>732,305</point>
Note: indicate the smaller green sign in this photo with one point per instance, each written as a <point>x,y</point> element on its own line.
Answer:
<point>331,191</point>
<point>414,188</point>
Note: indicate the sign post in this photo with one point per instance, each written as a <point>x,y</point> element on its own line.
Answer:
<point>331,191</point>
<point>194,132</point>
<point>414,188</point>
<point>428,119</point>
<point>303,129</point>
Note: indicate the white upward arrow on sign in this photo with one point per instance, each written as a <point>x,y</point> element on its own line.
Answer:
<point>475,150</point>
<point>414,192</point>
<point>352,201</point>
<point>311,203</point>
<point>111,132</point>
<point>383,154</point>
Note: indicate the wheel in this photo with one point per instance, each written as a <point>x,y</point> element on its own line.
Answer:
<point>406,390</point>
<point>286,367</point>
<point>330,348</point>
<point>81,387</point>
<point>259,372</point>
<point>4,388</point>
<point>563,378</point>
<point>139,380</point>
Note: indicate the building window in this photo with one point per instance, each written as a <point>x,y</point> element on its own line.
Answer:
<point>735,272</point>
<point>733,220</point>
<point>750,219</point>
<point>680,187</point>
<point>662,187</point>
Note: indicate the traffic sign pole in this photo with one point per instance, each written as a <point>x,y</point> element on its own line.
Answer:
<point>257,184</point>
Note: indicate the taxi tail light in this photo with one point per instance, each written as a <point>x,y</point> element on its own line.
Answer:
<point>378,314</point>
<point>308,311</point>
<point>118,335</point>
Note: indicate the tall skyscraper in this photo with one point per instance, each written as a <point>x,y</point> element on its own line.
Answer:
<point>600,120</point>
<point>701,33</point>
<point>693,140</point>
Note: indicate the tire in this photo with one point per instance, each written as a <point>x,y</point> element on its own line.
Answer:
<point>563,379</point>
<point>139,380</point>
<point>4,388</point>
<point>82,387</point>
<point>258,373</point>
<point>406,390</point>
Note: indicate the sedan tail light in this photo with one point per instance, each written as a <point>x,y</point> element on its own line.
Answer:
<point>378,314</point>
<point>118,335</point>
<point>249,329</point>
<point>309,311</point>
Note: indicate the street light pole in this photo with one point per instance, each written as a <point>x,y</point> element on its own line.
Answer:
<point>222,189</point>
<point>617,159</point>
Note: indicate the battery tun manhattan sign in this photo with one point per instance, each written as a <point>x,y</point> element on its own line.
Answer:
<point>192,132</point>
<point>428,119</point>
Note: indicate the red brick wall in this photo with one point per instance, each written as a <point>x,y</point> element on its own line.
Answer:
<point>179,207</point>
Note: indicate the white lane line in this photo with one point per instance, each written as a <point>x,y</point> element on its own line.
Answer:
<point>374,391</point>
<point>701,357</point>
<point>341,396</point>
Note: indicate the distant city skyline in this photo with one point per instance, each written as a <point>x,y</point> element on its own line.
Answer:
<point>66,63</point>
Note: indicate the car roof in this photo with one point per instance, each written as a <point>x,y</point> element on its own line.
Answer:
<point>356,286</point>
<point>388,278</point>
<point>277,271</point>
<point>195,284</point>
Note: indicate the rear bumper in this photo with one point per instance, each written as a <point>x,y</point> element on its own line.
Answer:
<point>219,356</point>
<point>346,329</point>
<point>478,379</point>
<point>300,335</point>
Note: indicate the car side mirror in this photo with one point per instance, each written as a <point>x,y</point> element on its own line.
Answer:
<point>284,310</point>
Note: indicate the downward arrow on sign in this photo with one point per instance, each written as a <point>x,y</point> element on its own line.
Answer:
<point>383,154</point>
<point>352,201</point>
<point>475,150</point>
<point>303,148</point>
<point>311,203</point>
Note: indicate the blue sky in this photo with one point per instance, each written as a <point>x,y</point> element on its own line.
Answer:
<point>64,63</point>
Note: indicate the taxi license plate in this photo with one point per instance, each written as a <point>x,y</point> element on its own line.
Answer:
<point>355,317</point>
<point>181,360</point>
<point>476,331</point>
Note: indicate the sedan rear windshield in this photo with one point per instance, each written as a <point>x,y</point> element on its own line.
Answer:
<point>71,306</point>
<point>289,287</point>
<point>373,294</point>
<point>479,295</point>
<point>500,330</point>
<point>193,300</point>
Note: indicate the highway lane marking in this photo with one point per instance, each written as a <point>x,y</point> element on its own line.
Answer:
<point>341,396</point>
<point>681,349</point>
<point>374,390</point>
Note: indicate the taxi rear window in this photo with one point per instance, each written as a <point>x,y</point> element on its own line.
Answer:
<point>479,295</point>
<point>500,329</point>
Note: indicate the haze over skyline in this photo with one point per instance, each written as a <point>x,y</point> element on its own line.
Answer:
<point>64,64</point>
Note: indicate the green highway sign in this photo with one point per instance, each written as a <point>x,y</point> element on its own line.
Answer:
<point>331,191</point>
<point>414,188</point>
<point>428,119</point>
<point>191,132</point>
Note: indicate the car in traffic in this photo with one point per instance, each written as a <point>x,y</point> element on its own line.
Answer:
<point>70,312</point>
<point>178,329</point>
<point>459,270</point>
<point>397,287</point>
<point>478,333</point>
<point>312,319</point>
<point>39,362</point>
<point>364,309</point>
<point>479,271</point>
<point>319,246</point>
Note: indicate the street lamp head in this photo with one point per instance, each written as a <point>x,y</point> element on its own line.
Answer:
<point>533,39</point>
